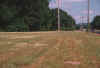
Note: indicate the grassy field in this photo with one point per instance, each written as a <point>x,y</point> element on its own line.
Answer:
<point>49,50</point>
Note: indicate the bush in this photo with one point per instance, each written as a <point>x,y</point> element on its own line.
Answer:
<point>18,26</point>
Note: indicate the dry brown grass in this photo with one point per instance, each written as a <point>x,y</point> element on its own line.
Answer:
<point>49,50</point>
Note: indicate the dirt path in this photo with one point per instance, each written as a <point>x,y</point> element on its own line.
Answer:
<point>74,59</point>
<point>41,59</point>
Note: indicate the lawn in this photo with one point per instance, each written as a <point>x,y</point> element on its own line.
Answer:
<point>49,50</point>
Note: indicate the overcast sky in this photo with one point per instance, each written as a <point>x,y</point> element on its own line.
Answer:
<point>78,8</point>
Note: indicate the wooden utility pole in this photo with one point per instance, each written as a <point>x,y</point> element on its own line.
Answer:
<point>81,21</point>
<point>88,16</point>
<point>58,4</point>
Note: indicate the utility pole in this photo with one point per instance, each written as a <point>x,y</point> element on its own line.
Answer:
<point>58,4</point>
<point>88,16</point>
<point>81,21</point>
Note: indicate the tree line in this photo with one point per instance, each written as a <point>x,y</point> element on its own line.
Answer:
<point>31,15</point>
<point>95,24</point>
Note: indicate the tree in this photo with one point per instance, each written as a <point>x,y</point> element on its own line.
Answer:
<point>31,15</point>
<point>96,23</point>
<point>66,21</point>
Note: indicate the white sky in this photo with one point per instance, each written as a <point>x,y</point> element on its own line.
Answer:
<point>78,8</point>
